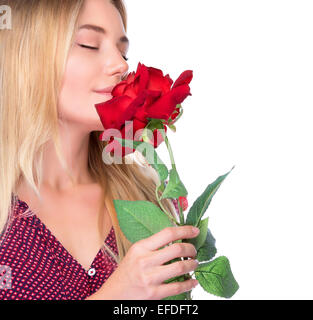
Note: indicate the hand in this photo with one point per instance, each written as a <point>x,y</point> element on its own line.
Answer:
<point>141,273</point>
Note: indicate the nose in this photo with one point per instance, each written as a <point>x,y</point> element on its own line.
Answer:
<point>115,64</point>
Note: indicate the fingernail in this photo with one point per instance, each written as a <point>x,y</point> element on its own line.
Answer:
<point>195,230</point>
<point>195,283</point>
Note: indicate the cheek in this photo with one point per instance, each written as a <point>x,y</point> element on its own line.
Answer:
<point>76,88</point>
<point>78,74</point>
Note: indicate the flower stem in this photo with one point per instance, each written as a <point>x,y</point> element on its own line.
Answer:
<point>160,203</point>
<point>187,277</point>
<point>181,215</point>
<point>168,146</point>
<point>170,151</point>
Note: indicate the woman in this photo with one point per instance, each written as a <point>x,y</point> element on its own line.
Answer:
<point>56,199</point>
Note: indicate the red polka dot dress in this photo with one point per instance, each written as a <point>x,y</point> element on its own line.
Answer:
<point>35,266</point>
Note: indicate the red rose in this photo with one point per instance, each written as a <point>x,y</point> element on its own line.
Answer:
<point>142,95</point>
<point>183,203</point>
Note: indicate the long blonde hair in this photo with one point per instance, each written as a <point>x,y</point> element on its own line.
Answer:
<point>33,57</point>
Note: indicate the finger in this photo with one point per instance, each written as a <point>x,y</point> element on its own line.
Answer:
<point>168,235</point>
<point>165,272</point>
<point>176,250</point>
<point>175,288</point>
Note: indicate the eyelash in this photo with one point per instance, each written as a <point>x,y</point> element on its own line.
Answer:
<point>93,48</point>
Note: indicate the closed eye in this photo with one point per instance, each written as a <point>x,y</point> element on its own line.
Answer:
<point>88,47</point>
<point>94,48</point>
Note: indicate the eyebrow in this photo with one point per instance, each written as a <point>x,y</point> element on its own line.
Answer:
<point>101,30</point>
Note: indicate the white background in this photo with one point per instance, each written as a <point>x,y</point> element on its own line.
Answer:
<point>250,107</point>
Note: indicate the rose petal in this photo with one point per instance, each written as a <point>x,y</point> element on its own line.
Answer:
<point>144,78</point>
<point>184,78</point>
<point>130,90</point>
<point>130,78</point>
<point>133,129</point>
<point>119,89</point>
<point>113,113</point>
<point>164,107</point>
<point>157,82</point>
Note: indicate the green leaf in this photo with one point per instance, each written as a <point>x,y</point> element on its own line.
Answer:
<point>216,277</point>
<point>161,187</point>
<point>140,219</point>
<point>149,153</point>
<point>175,279</point>
<point>155,124</point>
<point>174,188</point>
<point>200,239</point>
<point>161,120</point>
<point>181,296</point>
<point>172,261</point>
<point>208,250</point>
<point>199,207</point>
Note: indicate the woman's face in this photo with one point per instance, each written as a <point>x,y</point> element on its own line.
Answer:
<point>88,69</point>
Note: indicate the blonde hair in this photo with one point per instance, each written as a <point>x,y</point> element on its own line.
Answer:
<point>33,57</point>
